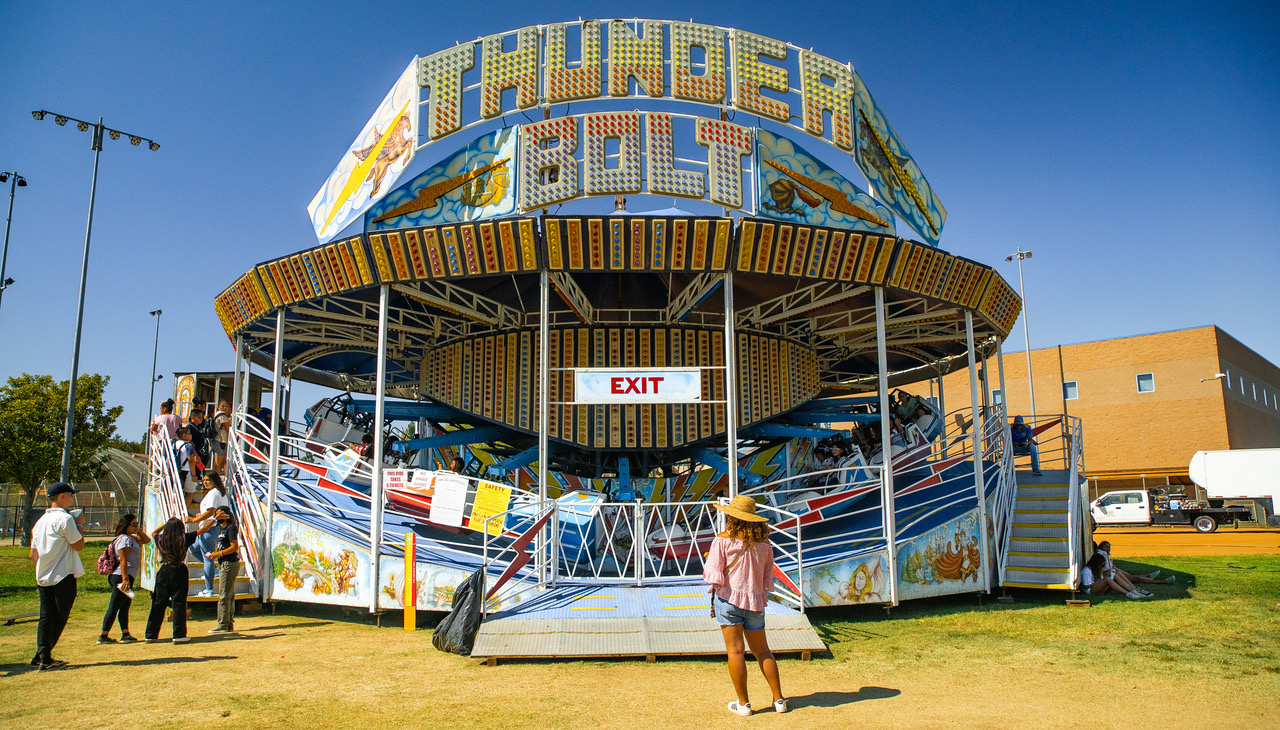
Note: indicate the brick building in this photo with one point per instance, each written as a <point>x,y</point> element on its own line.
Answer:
<point>1147,402</point>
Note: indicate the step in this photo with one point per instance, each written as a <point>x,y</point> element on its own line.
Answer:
<point>1030,560</point>
<point>1040,516</point>
<point>1055,544</point>
<point>1028,584</point>
<point>1043,576</point>
<point>241,596</point>
<point>1039,529</point>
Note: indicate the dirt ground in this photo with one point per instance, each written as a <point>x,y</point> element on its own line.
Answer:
<point>1134,542</point>
<point>369,677</point>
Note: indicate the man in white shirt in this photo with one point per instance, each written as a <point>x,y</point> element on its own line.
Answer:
<point>56,543</point>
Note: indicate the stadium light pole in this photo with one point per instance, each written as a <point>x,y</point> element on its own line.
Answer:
<point>18,182</point>
<point>96,145</point>
<point>155,353</point>
<point>1026,332</point>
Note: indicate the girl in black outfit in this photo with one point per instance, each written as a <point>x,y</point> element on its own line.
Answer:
<point>172,579</point>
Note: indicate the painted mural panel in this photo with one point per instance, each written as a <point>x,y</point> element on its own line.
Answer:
<point>864,579</point>
<point>435,585</point>
<point>476,182</point>
<point>312,567</point>
<point>893,174</point>
<point>795,186</point>
<point>942,561</point>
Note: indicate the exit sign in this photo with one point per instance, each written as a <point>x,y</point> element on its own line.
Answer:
<point>637,385</point>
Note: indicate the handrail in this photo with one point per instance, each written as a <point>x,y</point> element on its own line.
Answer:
<point>1074,516</point>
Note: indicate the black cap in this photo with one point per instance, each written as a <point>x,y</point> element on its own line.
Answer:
<point>60,488</point>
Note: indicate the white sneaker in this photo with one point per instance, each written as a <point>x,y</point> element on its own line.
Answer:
<point>1134,596</point>
<point>182,640</point>
<point>780,705</point>
<point>737,709</point>
<point>206,593</point>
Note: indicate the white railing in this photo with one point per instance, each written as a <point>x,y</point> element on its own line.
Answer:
<point>1075,524</point>
<point>164,474</point>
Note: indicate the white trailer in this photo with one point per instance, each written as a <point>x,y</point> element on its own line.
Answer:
<point>1240,474</point>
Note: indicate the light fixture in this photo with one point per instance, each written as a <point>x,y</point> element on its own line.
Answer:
<point>135,141</point>
<point>39,116</point>
<point>155,146</point>
<point>22,181</point>
<point>4,177</point>
<point>60,120</point>
<point>83,126</point>
<point>8,281</point>
<point>115,134</point>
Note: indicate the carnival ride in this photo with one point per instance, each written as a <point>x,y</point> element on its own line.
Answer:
<point>531,344</point>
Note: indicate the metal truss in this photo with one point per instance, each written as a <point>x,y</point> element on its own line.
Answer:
<point>797,303</point>
<point>573,295</point>
<point>456,300</point>
<point>691,296</point>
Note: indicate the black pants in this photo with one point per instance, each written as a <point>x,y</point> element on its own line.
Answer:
<point>170,590</point>
<point>117,607</point>
<point>55,607</point>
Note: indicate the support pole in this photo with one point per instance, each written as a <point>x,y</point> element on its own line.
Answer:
<point>730,385</point>
<point>236,389</point>
<point>977,454</point>
<point>889,517</point>
<point>273,467</point>
<point>544,389</point>
<point>1008,438</point>
<point>942,413</point>
<point>375,489</point>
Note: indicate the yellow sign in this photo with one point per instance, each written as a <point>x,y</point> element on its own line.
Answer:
<point>410,582</point>
<point>491,499</point>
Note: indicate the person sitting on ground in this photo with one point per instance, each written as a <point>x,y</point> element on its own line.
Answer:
<point>1104,549</point>
<point>1024,439</point>
<point>172,543</point>
<point>1094,581</point>
<point>128,545</point>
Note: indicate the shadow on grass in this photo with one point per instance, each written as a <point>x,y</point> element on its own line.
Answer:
<point>837,699</point>
<point>9,670</point>
<point>296,625</point>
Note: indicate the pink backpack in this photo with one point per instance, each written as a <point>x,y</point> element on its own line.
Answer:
<point>109,560</point>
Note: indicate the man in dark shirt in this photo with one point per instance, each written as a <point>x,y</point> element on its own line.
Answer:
<point>1023,440</point>
<point>199,437</point>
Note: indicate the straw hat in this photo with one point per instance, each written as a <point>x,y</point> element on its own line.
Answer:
<point>742,507</point>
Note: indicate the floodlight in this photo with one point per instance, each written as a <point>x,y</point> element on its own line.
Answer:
<point>115,134</point>
<point>155,146</point>
<point>38,116</point>
<point>135,141</point>
<point>60,120</point>
<point>4,177</point>
<point>22,181</point>
<point>83,126</point>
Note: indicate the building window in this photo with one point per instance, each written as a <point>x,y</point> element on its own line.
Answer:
<point>1070,391</point>
<point>1255,391</point>
<point>1228,376</point>
<point>1146,382</point>
<point>997,397</point>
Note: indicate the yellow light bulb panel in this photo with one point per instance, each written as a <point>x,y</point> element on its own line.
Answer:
<point>707,87</point>
<point>569,84</point>
<point>827,87</point>
<point>751,75</point>
<point>502,70</point>
<point>442,74</point>
<point>631,56</point>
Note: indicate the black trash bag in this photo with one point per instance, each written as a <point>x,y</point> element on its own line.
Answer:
<point>456,633</point>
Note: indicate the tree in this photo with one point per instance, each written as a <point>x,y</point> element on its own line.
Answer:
<point>33,410</point>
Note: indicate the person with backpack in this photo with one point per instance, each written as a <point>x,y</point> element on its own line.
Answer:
<point>739,569</point>
<point>121,562</point>
<point>200,435</point>
<point>172,542</point>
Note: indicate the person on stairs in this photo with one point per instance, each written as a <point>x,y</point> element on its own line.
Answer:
<point>172,542</point>
<point>739,571</point>
<point>215,497</point>
<point>1024,440</point>
<point>227,553</point>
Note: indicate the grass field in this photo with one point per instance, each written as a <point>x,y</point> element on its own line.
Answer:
<point>1204,653</point>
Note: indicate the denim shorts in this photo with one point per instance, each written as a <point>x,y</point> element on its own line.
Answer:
<point>728,614</point>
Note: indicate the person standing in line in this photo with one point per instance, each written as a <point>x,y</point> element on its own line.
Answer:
<point>128,546</point>
<point>739,570</point>
<point>227,553</point>
<point>172,542</point>
<point>221,435</point>
<point>199,440</point>
<point>215,497</point>
<point>56,543</point>
<point>166,423</point>
<point>184,453</point>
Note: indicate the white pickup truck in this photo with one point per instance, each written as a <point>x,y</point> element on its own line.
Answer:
<point>1154,507</point>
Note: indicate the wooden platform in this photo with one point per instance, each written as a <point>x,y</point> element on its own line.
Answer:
<point>637,625</point>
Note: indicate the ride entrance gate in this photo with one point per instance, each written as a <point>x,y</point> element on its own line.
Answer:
<point>464,316</point>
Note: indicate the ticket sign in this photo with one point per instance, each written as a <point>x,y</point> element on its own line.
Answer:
<point>637,385</point>
<point>450,499</point>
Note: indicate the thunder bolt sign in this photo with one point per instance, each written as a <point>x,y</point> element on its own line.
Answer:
<point>727,154</point>
<point>371,166</point>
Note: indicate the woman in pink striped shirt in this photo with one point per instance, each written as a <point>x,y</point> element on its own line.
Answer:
<point>739,569</point>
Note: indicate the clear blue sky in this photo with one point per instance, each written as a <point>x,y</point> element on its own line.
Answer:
<point>1134,147</point>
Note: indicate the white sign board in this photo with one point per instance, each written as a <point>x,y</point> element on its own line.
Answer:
<point>637,385</point>
<point>449,500</point>
<point>394,478</point>
<point>422,480</point>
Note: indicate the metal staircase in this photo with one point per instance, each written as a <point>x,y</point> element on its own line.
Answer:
<point>1045,542</point>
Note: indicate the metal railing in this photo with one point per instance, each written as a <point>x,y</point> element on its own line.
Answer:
<point>1075,524</point>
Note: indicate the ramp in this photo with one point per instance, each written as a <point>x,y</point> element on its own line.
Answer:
<point>626,621</point>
